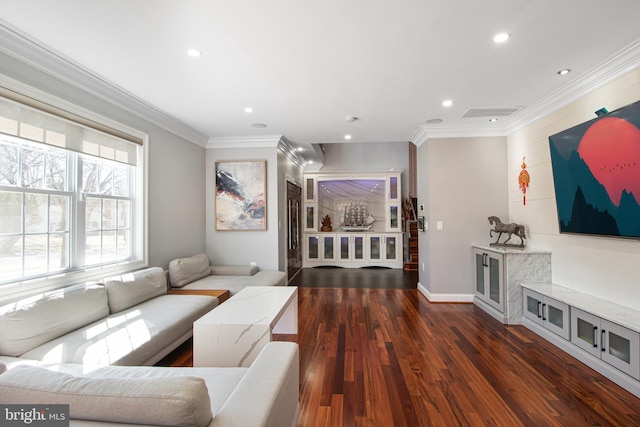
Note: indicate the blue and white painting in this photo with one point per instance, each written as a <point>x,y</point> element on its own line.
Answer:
<point>241,202</point>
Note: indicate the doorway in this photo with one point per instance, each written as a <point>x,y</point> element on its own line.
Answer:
<point>294,229</point>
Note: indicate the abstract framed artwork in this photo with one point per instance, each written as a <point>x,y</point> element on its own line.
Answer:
<point>241,199</point>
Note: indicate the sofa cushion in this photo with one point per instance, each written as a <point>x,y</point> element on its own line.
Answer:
<point>233,270</point>
<point>133,288</point>
<point>136,336</point>
<point>31,322</point>
<point>173,401</point>
<point>186,270</point>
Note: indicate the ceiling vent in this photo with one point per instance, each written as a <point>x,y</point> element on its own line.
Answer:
<point>489,112</point>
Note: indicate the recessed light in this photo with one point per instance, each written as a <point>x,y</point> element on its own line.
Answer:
<point>248,110</point>
<point>501,37</point>
<point>433,121</point>
<point>194,52</point>
<point>493,120</point>
<point>259,125</point>
<point>347,137</point>
<point>564,71</point>
<point>447,103</point>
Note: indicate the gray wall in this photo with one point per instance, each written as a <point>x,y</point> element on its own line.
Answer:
<point>244,247</point>
<point>175,168</point>
<point>355,156</point>
<point>461,182</point>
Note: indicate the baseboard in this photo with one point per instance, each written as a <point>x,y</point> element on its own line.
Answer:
<point>451,298</point>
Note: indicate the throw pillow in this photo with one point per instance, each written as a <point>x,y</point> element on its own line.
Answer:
<point>167,401</point>
<point>183,271</point>
<point>133,288</point>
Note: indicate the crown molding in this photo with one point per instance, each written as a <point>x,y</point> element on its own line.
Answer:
<point>18,45</point>
<point>606,71</point>
<point>259,141</point>
<point>613,67</point>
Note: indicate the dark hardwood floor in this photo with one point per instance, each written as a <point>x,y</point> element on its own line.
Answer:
<point>371,277</point>
<point>387,357</point>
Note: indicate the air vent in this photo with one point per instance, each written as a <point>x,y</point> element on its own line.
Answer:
<point>489,112</point>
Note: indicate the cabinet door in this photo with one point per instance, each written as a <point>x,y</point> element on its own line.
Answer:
<point>480,257</point>
<point>328,244</point>
<point>394,188</point>
<point>532,305</point>
<point>555,317</point>
<point>496,281</point>
<point>345,247</point>
<point>391,248</point>
<point>358,252</point>
<point>375,247</point>
<point>585,331</point>
<point>313,247</point>
<point>620,347</point>
<point>490,278</point>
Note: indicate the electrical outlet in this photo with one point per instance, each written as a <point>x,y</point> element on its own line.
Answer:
<point>253,264</point>
<point>423,266</point>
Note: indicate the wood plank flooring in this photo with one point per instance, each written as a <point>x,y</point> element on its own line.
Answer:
<point>387,357</point>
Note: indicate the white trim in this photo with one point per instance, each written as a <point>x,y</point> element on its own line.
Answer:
<point>261,141</point>
<point>446,298</point>
<point>22,47</point>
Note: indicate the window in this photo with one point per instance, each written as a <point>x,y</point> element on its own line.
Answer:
<point>70,199</point>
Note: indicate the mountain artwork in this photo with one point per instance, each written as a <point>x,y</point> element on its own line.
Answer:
<point>596,172</point>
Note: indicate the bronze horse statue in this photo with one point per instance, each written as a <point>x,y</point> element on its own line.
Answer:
<point>510,229</point>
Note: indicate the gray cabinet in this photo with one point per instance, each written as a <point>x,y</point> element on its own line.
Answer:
<point>547,312</point>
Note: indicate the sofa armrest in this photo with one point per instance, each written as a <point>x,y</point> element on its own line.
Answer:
<point>233,270</point>
<point>268,393</point>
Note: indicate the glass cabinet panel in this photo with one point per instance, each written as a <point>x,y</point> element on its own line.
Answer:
<point>344,248</point>
<point>310,189</point>
<point>310,218</point>
<point>358,247</point>
<point>533,306</point>
<point>327,242</point>
<point>390,245</point>
<point>394,216</point>
<point>374,247</point>
<point>494,280</point>
<point>479,274</point>
<point>393,188</point>
<point>587,332</point>
<point>555,316</point>
<point>312,247</point>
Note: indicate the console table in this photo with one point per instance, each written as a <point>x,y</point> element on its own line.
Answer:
<point>234,333</point>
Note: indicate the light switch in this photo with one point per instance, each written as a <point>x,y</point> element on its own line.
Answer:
<point>439,225</point>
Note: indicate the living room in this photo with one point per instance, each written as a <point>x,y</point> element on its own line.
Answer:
<point>462,178</point>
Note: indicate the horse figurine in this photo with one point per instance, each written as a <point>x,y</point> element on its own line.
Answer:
<point>510,229</point>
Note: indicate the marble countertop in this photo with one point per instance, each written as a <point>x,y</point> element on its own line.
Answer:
<point>616,313</point>
<point>503,250</point>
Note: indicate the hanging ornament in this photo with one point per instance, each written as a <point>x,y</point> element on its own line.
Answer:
<point>523,181</point>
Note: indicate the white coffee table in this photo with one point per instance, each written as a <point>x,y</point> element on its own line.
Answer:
<point>233,333</point>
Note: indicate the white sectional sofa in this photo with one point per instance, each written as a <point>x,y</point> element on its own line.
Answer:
<point>126,320</point>
<point>63,347</point>
<point>264,394</point>
<point>196,273</point>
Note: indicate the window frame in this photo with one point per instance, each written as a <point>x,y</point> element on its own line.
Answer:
<point>138,216</point>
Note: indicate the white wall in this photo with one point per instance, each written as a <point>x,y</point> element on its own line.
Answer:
<point>244,247</point>
<point>461,182</point>
<point>600,266</point>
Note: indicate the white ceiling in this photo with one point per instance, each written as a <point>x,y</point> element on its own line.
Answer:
<point>303,66</point>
